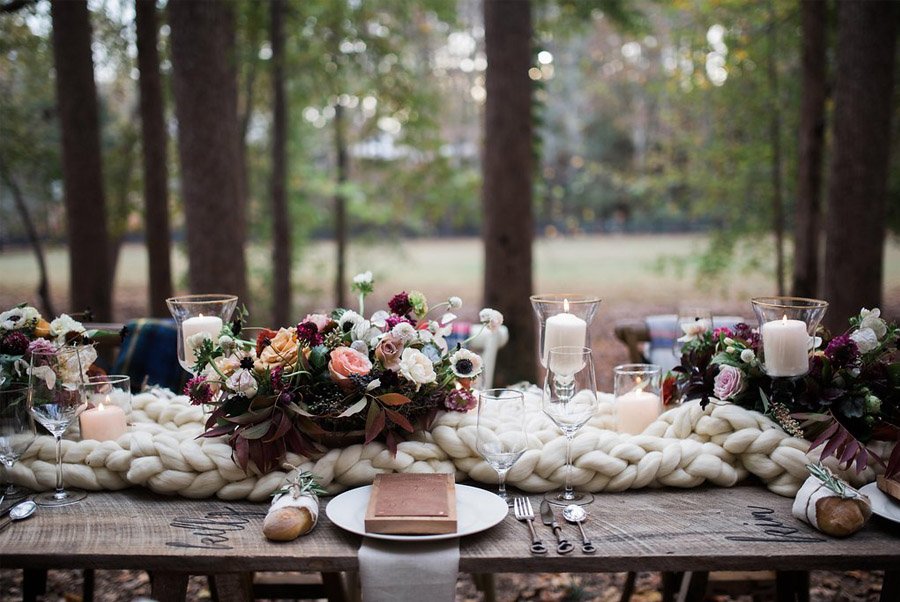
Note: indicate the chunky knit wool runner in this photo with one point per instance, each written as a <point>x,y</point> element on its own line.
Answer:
<point>686,447</point>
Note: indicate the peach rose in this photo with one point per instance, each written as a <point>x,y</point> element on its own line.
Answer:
<point>345,362</point>
<point>281,351</point>
<point>388,352</point>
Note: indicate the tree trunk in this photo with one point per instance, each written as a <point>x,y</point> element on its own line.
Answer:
<point>90,277</point>
<point>281,224</point>
<point>208,146</point>
<point>156,173</point>
<point>340,206</point>
<point>507,167</point>
<point>775,138</point>
<point>19,201</point>
<point>855,223</point>
<point>807,229</point>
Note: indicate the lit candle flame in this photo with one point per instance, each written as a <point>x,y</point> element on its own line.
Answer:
<point>566,305</point>
<point>100,408</point>
<point>784,318</point>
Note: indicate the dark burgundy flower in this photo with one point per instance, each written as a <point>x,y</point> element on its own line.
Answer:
<point>400,304</point>
<point>198,390</point>
<point>842,351</point>
<point>14,343</point>
<point>393,320</point>
<point>308,333</point>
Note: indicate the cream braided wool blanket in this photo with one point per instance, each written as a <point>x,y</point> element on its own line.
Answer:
<point>685,447</point>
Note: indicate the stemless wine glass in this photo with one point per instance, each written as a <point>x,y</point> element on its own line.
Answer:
<point>198,316</point>
<point>55,389</point>
<point>500,432</point>
<point>108,399</point>
<point>16,433</point>
<point>570,400</point>
<point>690,323</point>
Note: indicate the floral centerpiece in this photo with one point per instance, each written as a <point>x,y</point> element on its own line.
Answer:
<point>23,330</point>
<point>849,398</point>
<point>296,388</point>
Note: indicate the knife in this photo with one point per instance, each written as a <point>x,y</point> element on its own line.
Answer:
<point>563,546</point>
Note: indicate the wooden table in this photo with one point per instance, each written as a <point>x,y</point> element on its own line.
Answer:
<point>706,529</point>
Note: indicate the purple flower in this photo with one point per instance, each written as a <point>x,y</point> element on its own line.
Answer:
<point>41,346</point>
<point>198,390</point>
<point>400,304</point>
<point>460,400</point>
<point>308,333</point>
<point>14,343</point>
<point>393,320</point>
<point>745,333</point>
<point>729,383</point>
<point>842,351</point>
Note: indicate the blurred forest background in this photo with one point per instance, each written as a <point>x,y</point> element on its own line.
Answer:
<point>655,152</point>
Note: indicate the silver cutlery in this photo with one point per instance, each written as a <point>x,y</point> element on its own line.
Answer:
<point>563,546</point>
<point>20,511</point>
<point>577,514</point>
<point>524,512</point>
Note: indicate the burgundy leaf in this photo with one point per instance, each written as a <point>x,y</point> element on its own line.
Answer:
<point>850,450</point>
<point>824,436</point>
<point>374,428</point>
<point>399,419</point>
<point>834,443</point>
<point>242,452</point>
<point>394,399</point>
<point>391,443</point>
<point>283,425</point>
<point>218,431</point>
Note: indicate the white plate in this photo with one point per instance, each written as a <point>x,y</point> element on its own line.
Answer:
<point>882,505</point>
<point>476,510</point>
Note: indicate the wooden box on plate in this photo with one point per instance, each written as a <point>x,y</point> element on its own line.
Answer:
<point>412,504</point>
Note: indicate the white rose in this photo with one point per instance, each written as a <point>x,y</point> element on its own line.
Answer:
<point>872,319</point>
<point>242,382</point>
<point>865,339</point>
<point>18,317</point>
<point>404,331</point>
<point>63,325</point>
<point>416,367</point>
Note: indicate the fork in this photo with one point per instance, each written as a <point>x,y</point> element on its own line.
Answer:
<point>524,512</point>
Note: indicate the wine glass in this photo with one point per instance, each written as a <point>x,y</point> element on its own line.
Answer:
<point>500,432</point>
<point>55,387</point>
<point>16,433</point>
<point>690,323</point>
<point>196,317</point>
<point>570,400</point>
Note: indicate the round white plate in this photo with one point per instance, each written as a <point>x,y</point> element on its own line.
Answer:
<point>476,510</point>
<point>882,505</point>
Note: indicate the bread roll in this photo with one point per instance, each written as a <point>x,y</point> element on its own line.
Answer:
<point>290,517</point>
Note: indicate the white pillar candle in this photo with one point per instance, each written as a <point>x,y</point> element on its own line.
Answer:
<point>636,410</point>
<point>211,325</point>
<point>785,347</point>
<point>103,423</point>
<point>564,330</point>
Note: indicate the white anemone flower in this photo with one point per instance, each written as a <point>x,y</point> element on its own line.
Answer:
<point>465,364</point>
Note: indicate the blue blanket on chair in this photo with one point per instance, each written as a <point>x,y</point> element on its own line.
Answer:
<point>149,355</point>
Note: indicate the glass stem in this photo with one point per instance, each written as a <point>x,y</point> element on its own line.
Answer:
<point>569,494</point>
<point>59,471</point>
<point>501,474</point>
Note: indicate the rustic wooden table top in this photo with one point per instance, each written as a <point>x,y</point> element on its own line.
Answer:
<point>744,528</point>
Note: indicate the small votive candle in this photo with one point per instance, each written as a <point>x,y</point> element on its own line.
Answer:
<point>106,422</point>
<point>637,397</point>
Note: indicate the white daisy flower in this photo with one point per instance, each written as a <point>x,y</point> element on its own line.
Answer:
<point>465,364</point>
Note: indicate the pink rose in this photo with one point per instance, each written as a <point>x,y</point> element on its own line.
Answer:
<point>320,320</point>
<point>388,352</point>
<point>346,362</point>
<point>729,383</point>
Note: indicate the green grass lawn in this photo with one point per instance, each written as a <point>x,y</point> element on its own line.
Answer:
<point>627,272</point>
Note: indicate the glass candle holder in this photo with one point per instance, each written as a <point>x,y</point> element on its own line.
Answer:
<point>786,329</point>
<point>108,399</point>
<point>564,320</point>
<point>198,316</point>
<point>638,399</point>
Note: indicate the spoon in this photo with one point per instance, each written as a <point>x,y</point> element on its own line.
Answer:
<point>20,511</point>
<point>576,514</point>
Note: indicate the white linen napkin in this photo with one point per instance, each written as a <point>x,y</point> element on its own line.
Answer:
<point>395,571</point>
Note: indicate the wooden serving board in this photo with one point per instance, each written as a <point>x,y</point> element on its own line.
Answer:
<point>412,504</point>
